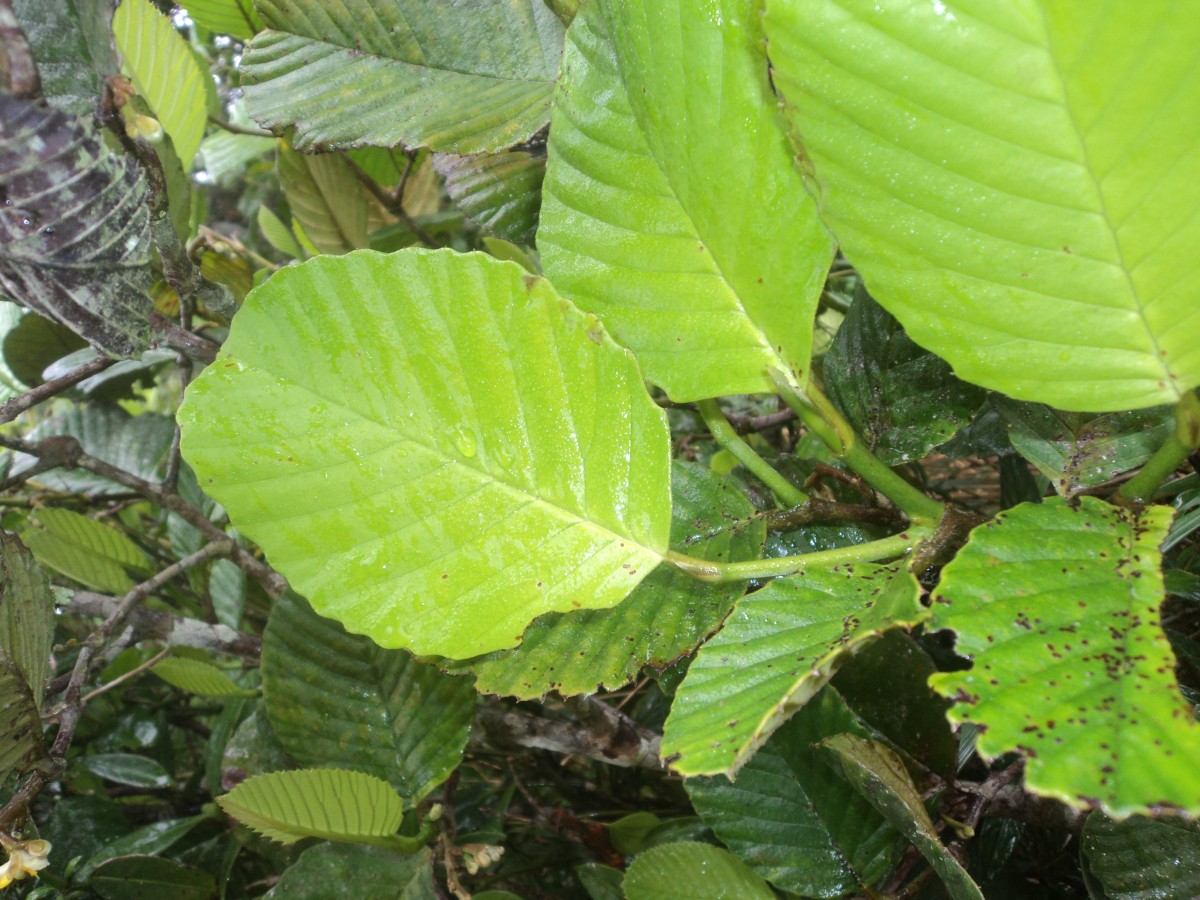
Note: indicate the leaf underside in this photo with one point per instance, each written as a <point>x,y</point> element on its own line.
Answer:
<point>1017,182</point>
<point>338,699</point>
<point>666,616</point>
<point>1058,606</point>
<point>667,170</point>
<point>406,72</point>
<point>74,227</point>
<point>778,648</point>
<point>400,439</point>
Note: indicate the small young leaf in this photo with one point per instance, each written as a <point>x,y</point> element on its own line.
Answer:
<point>278,235</point>
<point>197,677</point>
<point>236,18</point>
<point>339,699</point>
<point>420,421</point>
<point>879,775</point>
<point>333,804</point>
<point>778,648</point>
<point>692,870</point>
<point>163,70</point>
<point>1058,607</point>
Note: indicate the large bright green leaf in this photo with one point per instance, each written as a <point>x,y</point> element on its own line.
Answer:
<point>879,775</point>
<point>1058,607</point>
<point>433,447</point>
<point>339,699</point>
<point>75,234</point>
<point>165,72</point>
<point>26,614</point>
<point>693,870</point>
<point>666,616</point>
<point>333,804</point>
<point>405,72</point>
<point>794,820</point>
<point>1141,858</point>
<point>1017,181</point>
<point>778,648</point>
<point>672,207</point>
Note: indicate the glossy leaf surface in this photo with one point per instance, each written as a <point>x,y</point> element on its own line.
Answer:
<point>1058,607</point>
<point>458,413</point>
<point>794,820</point>
<point>901,399</point>
<point>74,227</point>
<point>666,616</point>
<point>777,649</point>
<point>338,698</point>
<point>405,72</point>
<point>1017,182</point>
<point>333,804</point>
<point>667,167</point>
<point>1141,858</point>
<point>690,869</point>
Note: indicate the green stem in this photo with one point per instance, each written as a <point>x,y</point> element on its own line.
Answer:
<point>885,548</point>
<point>1140,489</point>
<point>822,418</point>
<point>725,435</point>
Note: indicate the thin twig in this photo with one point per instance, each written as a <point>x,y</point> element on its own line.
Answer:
<point>121,679</point>
<point>10,409</point>
<point>239,129</point>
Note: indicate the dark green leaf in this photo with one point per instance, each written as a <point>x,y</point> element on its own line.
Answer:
<point>900,398</point>
<point>791,818</point>
<point>151,878</point>
<point>1081,450</point>
<point>409,73</point>
<point>1143,859</point>
<point>26,614</point>
<point>127,768</point>
<point>879,775</point>
<point>500,191</point>
<point>74,227</point>
<point>339,699</point>
<point>1058,606</point>
<point>692,870</point>
<point>355,872</point>
<point>35,343</point>
<point>777,649</point>
<point>149,840</point>
<point>600,881</point>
